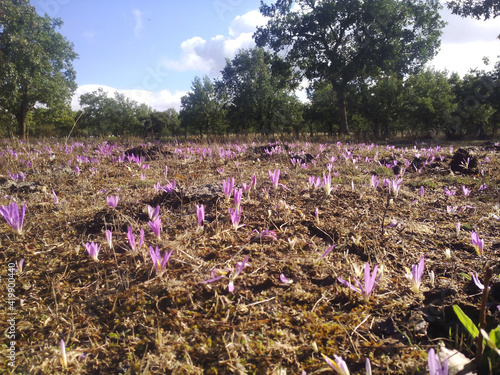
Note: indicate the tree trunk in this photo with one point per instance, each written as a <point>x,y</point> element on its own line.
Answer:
<point>344,127</point>
<point>21,123</point>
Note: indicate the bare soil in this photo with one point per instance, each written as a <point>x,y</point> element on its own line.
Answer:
<point>117,316</point>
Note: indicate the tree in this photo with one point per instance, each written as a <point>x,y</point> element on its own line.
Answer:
<point>35,62</point>
<point>257,89</point>
<point>427,98</point>
<point>473,8</point>
<point>117,116</point>
<point>340,41</point>
<point>202,108</point>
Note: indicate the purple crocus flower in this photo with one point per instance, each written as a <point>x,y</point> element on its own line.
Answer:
<point>223,273</point>
<point>20,265</point>
<point>112,200</point>
<point>54,195</point>
<point>200,213</point>
<point>13,217</point>
<point>227,188</point>
<point>478,283</point>
<point>285,280</point>
<point>370,282</point>
<point>338,365</point>
<point>93,249</point>
<point>394,186</point>
<point>374,182</point>
<point>327,183</point>
<point>237,197</point>
<point>155,226</point>
<point>435,366</point>
<point>109,238</point>
<point>159,262</point>
<point>275,177</point>
<point>153,213</point>
<point>64,359</point>
<point>415,275</point>
<point>465,191</point>
<point>235,214</point>
<point>131,239</point>
<point>237,270</point>
<point>477,242</point>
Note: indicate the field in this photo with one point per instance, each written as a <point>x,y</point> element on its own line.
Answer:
<point>334,209</point>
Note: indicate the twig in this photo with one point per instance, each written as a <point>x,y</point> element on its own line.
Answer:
<point>482,314</point>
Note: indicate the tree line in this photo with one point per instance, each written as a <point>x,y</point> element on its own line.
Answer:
<point>363,63</point>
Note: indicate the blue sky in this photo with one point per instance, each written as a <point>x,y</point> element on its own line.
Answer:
<point>151,50</point>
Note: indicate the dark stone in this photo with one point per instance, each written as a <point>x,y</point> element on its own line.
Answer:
<point>463,162</point>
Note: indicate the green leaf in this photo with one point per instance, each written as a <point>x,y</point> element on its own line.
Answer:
<point>465,320</point>
<point>495,336</point>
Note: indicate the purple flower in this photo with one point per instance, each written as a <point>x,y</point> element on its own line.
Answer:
<point>370,282</point>
<point>237,197</point>
<point>237,270</point>
<point>338,365</point>
<point>374,182</point>
<point>153,213</point>
<point>155,226</point>
<point>449,192</point>
<point>478,283</point>
<point>109,238</point>
<point>415,275</point>
<point>421,191</point>
<point>394,186</point>
<point>477,242</point>
<point>64,359</point>
<point>13,217</point>
<point>264,234</point>
<point>93,249</point>
<point>465,191</point>
<point>20,265</point>
<point>435,366</point>
<point>200,213</point>
<point>327,183</point>
<point>112,200</point>
<point>223,273</point>
<point>159,261</point>
<point>284,279</point>
<point>275,177</point>
<point>227,188</point>
<point>56,199</point>
<point>131,239</point>
<point>235,215</point>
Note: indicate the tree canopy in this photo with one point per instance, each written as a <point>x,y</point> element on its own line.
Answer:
<point>35,62</point>
<point>340,41</point>
<point>477,9</point>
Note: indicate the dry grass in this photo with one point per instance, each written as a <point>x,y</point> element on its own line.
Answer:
<point>118,317</point>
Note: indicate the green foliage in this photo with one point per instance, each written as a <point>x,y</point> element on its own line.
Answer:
<point>477,9</point>
<point>343,41</point>
<point>36,62</point>
<point>466,321</point>
<point>203,109</point>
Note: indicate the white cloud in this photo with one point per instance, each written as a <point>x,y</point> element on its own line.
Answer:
<point>464,30</point>
<point>138,22</point>
<point>158,100</point>
<point>461,57</point>
<point>209,56</point>
<point>247,23</point>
